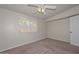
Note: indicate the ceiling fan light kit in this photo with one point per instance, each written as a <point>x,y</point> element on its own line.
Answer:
<point>41,9</point>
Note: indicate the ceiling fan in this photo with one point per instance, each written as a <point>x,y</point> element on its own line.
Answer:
<point>41,8</point>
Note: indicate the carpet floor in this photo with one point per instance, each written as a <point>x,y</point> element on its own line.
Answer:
<point>46,46</point>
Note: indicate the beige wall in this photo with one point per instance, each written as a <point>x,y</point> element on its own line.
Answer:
<point>59,30</point>
<point>10,37</point>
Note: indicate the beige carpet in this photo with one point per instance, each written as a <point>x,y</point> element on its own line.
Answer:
<point>46,46</point>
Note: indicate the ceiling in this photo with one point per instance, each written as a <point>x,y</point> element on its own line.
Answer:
<point>31,11</point>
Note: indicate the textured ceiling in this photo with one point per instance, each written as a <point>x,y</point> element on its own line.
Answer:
<point>31,11</point>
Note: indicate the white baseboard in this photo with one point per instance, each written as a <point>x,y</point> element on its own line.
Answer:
<point>59,40</point>
<point>75,44</point>
<point>20,45</point>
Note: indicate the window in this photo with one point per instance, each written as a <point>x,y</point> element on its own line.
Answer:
<point>25,25</point>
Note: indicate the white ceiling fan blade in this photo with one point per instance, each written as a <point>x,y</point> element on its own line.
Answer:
<point>31,5</point>
<point>50,7</point>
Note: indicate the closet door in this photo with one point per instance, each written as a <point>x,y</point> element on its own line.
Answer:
<point>59,30</point>
<point>74,26</point>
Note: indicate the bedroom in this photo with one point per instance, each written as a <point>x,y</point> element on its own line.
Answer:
<point>39,28</point>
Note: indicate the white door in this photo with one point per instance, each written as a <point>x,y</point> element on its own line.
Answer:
<point>74,27</point>
<point>59,30</point>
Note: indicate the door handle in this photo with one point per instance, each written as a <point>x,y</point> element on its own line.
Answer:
<point>70,32</point>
